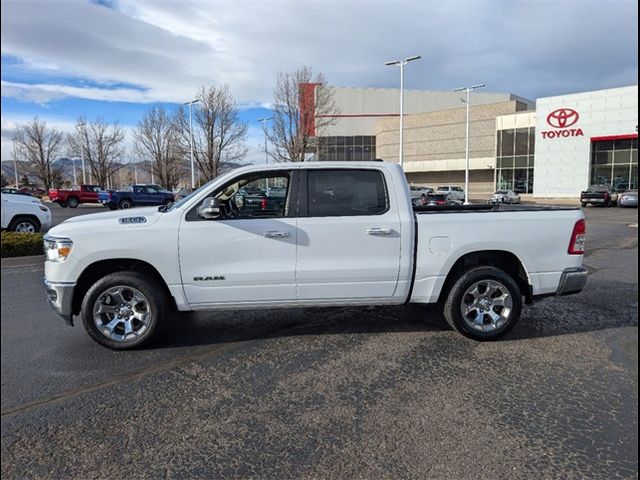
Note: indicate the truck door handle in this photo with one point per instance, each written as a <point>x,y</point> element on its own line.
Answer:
<point>379,231</point>
<point>275,234</point>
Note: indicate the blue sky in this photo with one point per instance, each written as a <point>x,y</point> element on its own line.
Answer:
<point>117,58</point>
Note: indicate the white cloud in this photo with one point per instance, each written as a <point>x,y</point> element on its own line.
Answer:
<point>171,48</point>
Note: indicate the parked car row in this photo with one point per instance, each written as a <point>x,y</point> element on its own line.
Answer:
<point>608,196</point>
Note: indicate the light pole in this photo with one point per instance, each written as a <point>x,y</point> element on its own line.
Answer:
<point>266,151</point>
<point>193,174</point>
<point>75,180</point>
<point>15,161</point>
<point>82,126</point>
<point>468,90</point>
<point>401,64</point>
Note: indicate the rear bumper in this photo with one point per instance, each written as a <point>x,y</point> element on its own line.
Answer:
<point>572,280</point>
<point>60,296</point>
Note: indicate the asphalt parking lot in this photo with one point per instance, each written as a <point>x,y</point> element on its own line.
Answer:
<point>332,393</point>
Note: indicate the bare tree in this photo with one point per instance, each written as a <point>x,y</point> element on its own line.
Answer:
<point>303,107</point>
<point>218,132</point>
<point>39,145</point>
<point>101,144</point>
<point>158,143</point>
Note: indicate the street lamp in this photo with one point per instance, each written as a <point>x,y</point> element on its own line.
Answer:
<point>467,90</point>
<point>75,180</point>
<point>266,151</point>
<point>401,64</point>
<point>15,161</point>
<point>193,175</point>
<point>83,126</point>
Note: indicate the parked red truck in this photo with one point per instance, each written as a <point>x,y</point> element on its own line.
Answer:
<point>77,195</point>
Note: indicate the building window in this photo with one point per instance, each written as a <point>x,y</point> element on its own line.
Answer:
<point>514,162</point>
<point>339,149</point>
<point>615,163</point>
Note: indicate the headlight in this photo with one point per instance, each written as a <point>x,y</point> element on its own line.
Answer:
<point>57,249</point>
<point>43,208</point>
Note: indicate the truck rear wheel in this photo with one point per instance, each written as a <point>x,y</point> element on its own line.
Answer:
<point>124,310</point>
<point>483,304</point>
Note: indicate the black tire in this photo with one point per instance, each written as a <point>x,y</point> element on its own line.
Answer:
<point>455,300</point>
<point>112,207</point>
<point>72,202</point>
<point>584,204</point>
<point>20,222</point>
<point>125,204</point>
<point>152,291</point>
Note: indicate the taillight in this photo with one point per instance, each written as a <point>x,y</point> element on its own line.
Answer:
<point>576,246</point>
<point>440,202</point>
<point>263,203</point>
<point>606,195</point>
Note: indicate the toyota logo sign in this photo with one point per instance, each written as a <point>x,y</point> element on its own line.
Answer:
<point>562,118</point>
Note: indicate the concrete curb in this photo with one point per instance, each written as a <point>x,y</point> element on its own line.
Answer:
<point>23,261</point>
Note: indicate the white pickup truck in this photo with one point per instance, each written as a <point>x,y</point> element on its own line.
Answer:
<point>336,234</point>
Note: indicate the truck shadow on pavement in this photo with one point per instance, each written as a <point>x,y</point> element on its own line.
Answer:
<point>602,305</point>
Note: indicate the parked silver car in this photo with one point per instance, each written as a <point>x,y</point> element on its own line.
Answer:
<point>419,194</point>
<point>505,196</point>
<point>628,199</point>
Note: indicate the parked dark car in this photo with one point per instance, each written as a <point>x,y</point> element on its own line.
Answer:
<point>434,199</point>
<point>628,199</point>
<point>599,195</point>
<point>15,191</point>
<point>136,196</point>
<point>33,191</point>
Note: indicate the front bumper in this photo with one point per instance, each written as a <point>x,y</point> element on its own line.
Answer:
<point>60,297</point>
<point>572,280</point>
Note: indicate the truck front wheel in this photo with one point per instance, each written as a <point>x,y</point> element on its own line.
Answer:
<point>72,202</point>
<point>124,310</point>
<point>125,204</point>
<point>483,304</point>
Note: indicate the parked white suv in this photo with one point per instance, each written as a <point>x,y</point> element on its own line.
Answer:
<point>455,193</point>
<point>24,214</point>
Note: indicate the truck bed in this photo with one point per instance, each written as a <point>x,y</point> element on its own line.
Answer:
<point>420,209</point>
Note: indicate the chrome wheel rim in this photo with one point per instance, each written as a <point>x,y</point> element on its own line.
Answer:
<point>486,305</point>
<point>125,205</point>
<point>122,313</point>
<point>25,227</point>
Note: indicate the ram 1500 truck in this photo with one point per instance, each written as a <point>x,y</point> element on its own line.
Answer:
<point>77,195</point>
<point>346,234</point>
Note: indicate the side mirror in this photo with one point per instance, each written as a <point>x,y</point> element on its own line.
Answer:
<point>210,208</point>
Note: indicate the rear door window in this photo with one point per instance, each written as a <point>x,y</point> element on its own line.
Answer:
<point>344,192</point>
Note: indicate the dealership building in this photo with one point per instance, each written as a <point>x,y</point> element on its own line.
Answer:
<point>553,147</point>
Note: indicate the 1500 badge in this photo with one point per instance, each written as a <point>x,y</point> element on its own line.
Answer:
<point>128,220</point>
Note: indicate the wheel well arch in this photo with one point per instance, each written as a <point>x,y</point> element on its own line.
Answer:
<point>92,273</point>
<point>27,216</point>
<point>505,261</point>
